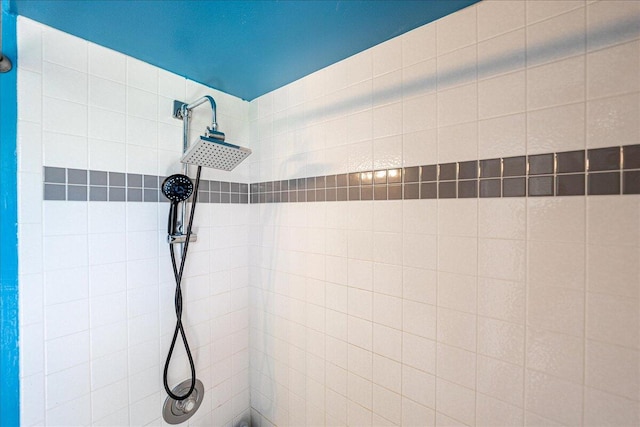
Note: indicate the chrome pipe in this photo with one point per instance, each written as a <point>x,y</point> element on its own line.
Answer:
<point>212,102</point>
<point>185,167</point>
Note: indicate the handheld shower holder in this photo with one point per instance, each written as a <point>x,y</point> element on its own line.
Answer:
<point>181,238</point>
<point>182,110</point>
<point>177,188</point>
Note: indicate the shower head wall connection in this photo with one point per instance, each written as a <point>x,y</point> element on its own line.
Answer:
<point>182,109</point>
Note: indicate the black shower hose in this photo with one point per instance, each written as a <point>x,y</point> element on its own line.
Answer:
<point>178,295</point>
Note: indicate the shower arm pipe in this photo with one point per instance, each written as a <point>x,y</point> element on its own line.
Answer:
<point>185,112</point>
<point>186,108</point>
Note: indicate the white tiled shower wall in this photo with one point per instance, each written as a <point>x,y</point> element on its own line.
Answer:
<point>514,311</point>
<point>450,312</point>
<point>96,286</point>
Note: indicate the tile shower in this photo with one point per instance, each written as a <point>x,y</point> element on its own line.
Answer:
<point>441,230</point>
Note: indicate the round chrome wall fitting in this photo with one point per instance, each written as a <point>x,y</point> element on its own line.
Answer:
<point>179,411</point>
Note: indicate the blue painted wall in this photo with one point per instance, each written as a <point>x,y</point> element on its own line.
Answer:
<point>244,48</point>
<point>9,349</point>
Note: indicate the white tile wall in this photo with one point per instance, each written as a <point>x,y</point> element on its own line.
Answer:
<point>417,312</point>
<point>454,312</point>
<point>95,283</point>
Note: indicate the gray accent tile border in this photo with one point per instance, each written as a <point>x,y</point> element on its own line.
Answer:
<point>105,186</point>
<point>609,170</point>
<point>601,171</point>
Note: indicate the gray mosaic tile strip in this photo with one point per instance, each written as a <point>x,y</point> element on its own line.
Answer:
<point>603,159</point>
<point>610,170</point>
<point>571,161</point>
<point>151,181</point>
<point>631,157</point>
<point>55,192</point>
<point>77,193</point>
<point>514,187</point>
<point>490,168</point>
<point>55,175</point>
<point>77,176</point>
<point>103,186</point>
<point>514,166</point>
<point>631,182</point>
<point>541,164</point>
<point>570,185</point>
<point>490,188</point>
<point>97,194</point>
<point>98,178</point>
<point>117,179</point>
<point>541,186</point>
<point>468,170</point>
<point>603,183</point>
<point>134,180</point>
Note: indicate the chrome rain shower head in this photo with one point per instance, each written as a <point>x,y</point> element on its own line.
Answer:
<point>211,151</point>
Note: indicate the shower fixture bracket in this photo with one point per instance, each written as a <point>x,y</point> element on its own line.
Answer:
<point>181,238</point>
<point>182,110</point>
<point>177,109</point>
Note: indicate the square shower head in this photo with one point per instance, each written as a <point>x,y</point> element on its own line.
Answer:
<point>215,153</point>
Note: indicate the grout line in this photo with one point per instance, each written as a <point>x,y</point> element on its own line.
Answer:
<point>88,241</point>
<point>42,237</point>
<point>523,411</point>
<point>477,237</point>
<point>437,236</point>
<point>586,216</point>
<point>45,377</point>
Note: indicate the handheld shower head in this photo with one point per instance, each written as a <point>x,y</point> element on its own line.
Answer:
<point>177,188</point>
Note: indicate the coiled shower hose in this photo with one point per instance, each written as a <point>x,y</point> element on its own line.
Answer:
<point>177,272</point>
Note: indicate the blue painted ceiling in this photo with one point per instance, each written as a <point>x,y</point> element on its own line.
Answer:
<point>244,48</point>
